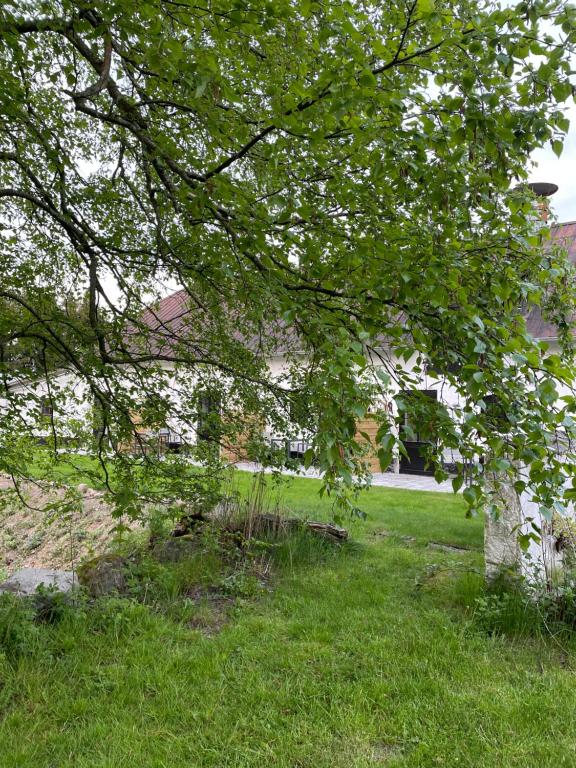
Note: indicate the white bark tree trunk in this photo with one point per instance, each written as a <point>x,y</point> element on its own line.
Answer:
<point>501,548</point>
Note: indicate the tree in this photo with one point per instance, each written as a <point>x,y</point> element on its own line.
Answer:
<point>340,178</point>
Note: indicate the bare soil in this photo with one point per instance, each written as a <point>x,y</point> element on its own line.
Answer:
<point>32,536</point>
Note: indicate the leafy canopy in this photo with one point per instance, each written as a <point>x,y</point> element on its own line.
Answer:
<point>332,179</point>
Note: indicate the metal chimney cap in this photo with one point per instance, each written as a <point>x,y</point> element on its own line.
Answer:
<point>543,189</point>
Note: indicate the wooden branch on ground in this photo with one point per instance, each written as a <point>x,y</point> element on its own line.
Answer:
<point>276,523</point>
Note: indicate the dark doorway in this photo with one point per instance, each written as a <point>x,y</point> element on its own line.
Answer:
<point>414,442</point>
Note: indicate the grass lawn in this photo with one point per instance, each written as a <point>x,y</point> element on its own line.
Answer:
<point>427,516</point>
<point>366,658</point>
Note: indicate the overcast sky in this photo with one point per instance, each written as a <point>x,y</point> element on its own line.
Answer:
<point>558,170</point>
<point>561,171</point>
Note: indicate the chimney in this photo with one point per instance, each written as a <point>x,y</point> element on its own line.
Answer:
<point>543,191</point>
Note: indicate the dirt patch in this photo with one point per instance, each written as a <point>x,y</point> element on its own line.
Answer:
<point>383,752</point>
<point>34,537</point>
<point>211,610</point>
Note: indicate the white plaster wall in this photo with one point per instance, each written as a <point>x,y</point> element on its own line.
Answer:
<point>71,402</point>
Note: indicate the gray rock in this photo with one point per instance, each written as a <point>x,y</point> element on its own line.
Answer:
<point>177,549</point>
<point>27,580</point>
<point>104,575</point>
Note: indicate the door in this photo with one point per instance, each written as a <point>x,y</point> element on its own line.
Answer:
<point>415,444</point>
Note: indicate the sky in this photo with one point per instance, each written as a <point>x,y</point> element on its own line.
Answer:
<point>557,170</point>
<point>560,171</point>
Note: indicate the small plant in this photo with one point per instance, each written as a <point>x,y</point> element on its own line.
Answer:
<point>9,539</point>
<point>160,522</point>
<point>35,541</point>
<point>501,613</point>
<point>50,605</point>
<point>558,606</point>
<point>118,616</point>
<point>511,605</point>
<point>563,530</point>
<point>19,635</point>
<point>242,584</point>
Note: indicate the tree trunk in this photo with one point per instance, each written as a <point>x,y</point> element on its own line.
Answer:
<point>501,548</point>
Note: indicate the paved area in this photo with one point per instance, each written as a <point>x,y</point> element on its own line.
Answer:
<point>411,482</point>
<point>385,479</point>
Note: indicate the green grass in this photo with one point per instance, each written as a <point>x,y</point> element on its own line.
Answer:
<point>365,658</point>
<point>426,516</point>
<point>67,466</point>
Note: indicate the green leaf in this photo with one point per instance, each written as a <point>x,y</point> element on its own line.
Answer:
<point>367,79</point>
<point>426,7</point>
<point>457,483</point>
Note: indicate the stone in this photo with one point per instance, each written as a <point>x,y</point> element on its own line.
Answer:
<point>27,580</point>
<point>175,550</point>
<point>104,575</point>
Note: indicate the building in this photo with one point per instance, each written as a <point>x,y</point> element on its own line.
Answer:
<point>167,319</point>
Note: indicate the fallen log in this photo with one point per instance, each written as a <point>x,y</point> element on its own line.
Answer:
<point>274,524</point>
<point>328,530</point>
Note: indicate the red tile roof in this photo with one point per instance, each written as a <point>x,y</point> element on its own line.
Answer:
<point>173,319</point>
<point>566,235</point>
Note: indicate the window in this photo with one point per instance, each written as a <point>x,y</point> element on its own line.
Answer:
<point>208,426</point>
<point>46,409</point>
